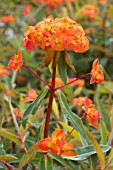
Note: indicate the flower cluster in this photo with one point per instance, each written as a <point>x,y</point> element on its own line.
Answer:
<point>92,114</point>
<point>59,33</point>
<point>16,62</point>
<point>3,71</point>
<point>89,110</point>
<point>97,74</point>
<point>8,19</point>
<point>56,144</point>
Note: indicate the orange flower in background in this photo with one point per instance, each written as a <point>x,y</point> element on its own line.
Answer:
<point>92,114</point>
<point>32,95</point>
<point>16,62</point>
<point>58,81</point>
<point>80,100</point>
<point>8,19</point>
<point>56,144</point>
<point>16,112</point>
<point>26,10</point>
<point>97,74</point>
<point>89,30</point>
<point>9,92</point>
<point>59,33</point>
<point>90,11</point>
<point>76,83</point>
<point>3,71</point>
<point>102,2</point>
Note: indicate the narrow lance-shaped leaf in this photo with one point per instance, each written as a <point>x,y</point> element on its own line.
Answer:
<point>33,106</point>
<point>85,152</point>
<point>26,158</point>
<point>11,136</point>
<point>8,157</point>
<point>97,148</point>
<point>103,133</point>
<point>62,67</point>
<point>104,113</point>
<point>67,163</point>
<point>74,119</point>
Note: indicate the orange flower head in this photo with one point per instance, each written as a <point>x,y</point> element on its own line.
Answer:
<point>97,74</point>
<point>60,34</point>
<point>3,71</point>
<point>16,62</point>
<point>8,19</point>
<point>90,11</point>
<point>32,95</point>
<point>56,144</point>
<point>102,2</point>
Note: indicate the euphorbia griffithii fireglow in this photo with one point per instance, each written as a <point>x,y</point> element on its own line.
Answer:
<point>16,62</point>
<point>97,74</point>
<point>56,144</point>
<point>60,34</point>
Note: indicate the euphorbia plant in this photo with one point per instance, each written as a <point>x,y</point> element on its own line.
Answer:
<point>56,37</point>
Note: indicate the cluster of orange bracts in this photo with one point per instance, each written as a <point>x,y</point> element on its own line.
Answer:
<point>59,33</point>
<point>56,144</point>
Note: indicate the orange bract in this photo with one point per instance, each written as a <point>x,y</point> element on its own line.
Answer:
<point>3,71</point>
<point>59,33</point>
<point>32,95</point>
<point>16,62</point>
<point>9,92</point>
<point>56,145</point>
<point>97,74</point>
<point>7,19</point>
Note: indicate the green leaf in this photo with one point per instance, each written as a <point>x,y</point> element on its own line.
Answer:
<point>41,165</point>
<point>97,148</point>
<point>8,157</point>
<point>33,106</point>
<point>11,136</point>
<point>26,158</point>
<point>104,113</point>
<point>62,68</point>
<point>74,119</point>
<point>69,62</point>
<point>103,133</point>
<point>67,163</point>
<point>46,163</point>
<point>110,159</point>
<point>85,152</point>
<point>93,160</point>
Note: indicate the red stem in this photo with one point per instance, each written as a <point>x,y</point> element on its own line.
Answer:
<point>69,133</point>
<point>5,163</point>
<point>36,75</point>
<point>52,90</point>
<point>73,81</point>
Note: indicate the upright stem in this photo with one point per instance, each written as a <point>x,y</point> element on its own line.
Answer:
<point>52,90</point>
